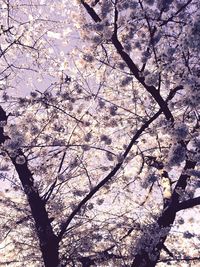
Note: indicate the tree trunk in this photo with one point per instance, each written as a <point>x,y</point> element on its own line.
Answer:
<point>49,245</point>
<point>150,258</point>
<point>48,240</point>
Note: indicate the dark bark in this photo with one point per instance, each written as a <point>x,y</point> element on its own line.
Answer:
<point>116,168</point>
<point>131,65</point>
<point>190,203</point>
<point>166,220</point>
<point>47,239</point>
<point>108,177</point>
<point>86,262</point>
<point>144,258</point>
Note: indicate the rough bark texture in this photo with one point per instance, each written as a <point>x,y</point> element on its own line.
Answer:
<point>131,65</point>
<point>165,221</point>
<point>47,239</point>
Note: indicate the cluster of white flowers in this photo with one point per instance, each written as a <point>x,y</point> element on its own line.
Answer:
<point>113,109</point>
<point>120,158</point>
<point>99,27</point>
<point>157,38</point>
<point>88,58</point>
<point>151,178</point>
<point>137,45</point>
<point>109,156</point>
<point>133,5</point>
<point>180,131</point>
<point>128,47</point>
<point>14,143</point>
<point>151,236</point>
<point>124,5</point>
<point>85,147</point>
<point>149,2</point>
<point>164,4</point>
<point>107,140</point>
<point>88,137</point>
<point>188,235</point>
<point>170,51</point>
<point>34,94</point>
<point>58,142</point>
<point>145,56</point>
<point>74,163</point>
<point>176,155</point>
<point>196,144</point>
<point>34,130</point>
<point>79,193</point>
<point>106,7</point>
<point>100,201</point>
<point>193,90</point>
<point>107,33</point>
<point>126,81</point>
<point>101,103</point>
<point>121,65</point>
<point>61,177</point>
<point>23,102</point>
<point>96,39</point>
<point>194,37</point>
<point>151,79</point>
<point>65,96</point>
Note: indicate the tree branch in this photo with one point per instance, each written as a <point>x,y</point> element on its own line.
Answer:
<point>190,203</point>
<point>91,11</point>
<point>131,65</point>
<point>47,238</point>
<point>108,177</point>
<point>116,168</point>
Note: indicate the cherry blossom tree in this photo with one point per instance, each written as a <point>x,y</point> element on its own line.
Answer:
<point>100,152</point>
